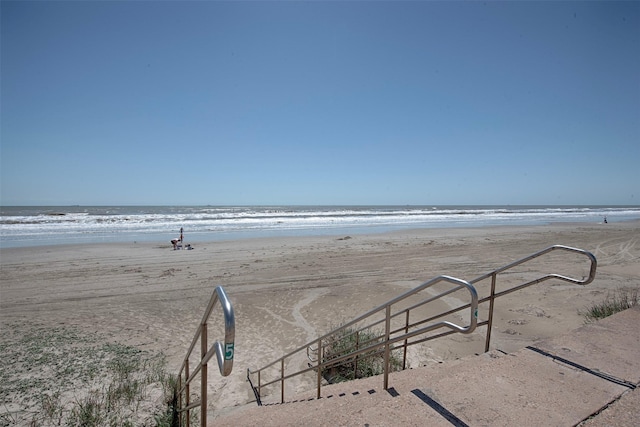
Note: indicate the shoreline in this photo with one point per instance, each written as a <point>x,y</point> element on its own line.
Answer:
<point>286,290</point>
<point>44,226</point>
<point>329,233</point>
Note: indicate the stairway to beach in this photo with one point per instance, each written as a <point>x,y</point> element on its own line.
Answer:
<point>588,377</point>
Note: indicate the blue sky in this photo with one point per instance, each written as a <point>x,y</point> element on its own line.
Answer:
<point>320,103</point>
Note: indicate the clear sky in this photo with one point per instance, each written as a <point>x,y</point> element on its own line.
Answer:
<point>320,102</point>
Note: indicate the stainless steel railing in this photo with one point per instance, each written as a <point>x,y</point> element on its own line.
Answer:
<point>224,353</point>
<point>381,344</point>
<point>494,274</point>
<point>400,336</point>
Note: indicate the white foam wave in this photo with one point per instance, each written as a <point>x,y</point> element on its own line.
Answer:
<point>25,225</point>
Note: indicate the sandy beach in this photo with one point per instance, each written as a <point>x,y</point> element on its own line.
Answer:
<point>287,291</point>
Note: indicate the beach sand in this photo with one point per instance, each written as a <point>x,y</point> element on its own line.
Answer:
<point>287,291</point>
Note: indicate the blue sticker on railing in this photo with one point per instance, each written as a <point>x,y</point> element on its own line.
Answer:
<point>228,351</point>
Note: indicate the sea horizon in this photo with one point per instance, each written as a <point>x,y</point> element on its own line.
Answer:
<point>22,226</point>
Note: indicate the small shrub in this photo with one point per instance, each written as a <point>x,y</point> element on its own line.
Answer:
<point>619,301</point>
<point>364,365</point>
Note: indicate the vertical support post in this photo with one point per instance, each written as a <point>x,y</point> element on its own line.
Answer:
<point>282,380</point>
<point>406,340</point>
<point>387,332</point>
<point>490,321</point>
<point>187,391</point>
<point>355,362</point>
<point>320,363</point>
<point>203,377</point>
<point>180,397</point>
<point>259,386</point>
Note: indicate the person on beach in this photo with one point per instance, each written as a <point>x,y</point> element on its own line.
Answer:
<point>175,242</point>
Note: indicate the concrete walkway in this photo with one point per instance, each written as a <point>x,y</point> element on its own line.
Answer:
<point>588,377</point>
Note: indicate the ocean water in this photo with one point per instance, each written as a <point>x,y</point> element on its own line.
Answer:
<point>51,225</point>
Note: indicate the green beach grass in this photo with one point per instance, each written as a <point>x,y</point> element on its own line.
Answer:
<point>615,302</point>
<point>365,365</point>
<point>55,376</point>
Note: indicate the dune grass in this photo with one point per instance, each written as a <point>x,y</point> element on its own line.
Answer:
<point>55,376</point>
<point>615,302</point>
<point>367,364</point>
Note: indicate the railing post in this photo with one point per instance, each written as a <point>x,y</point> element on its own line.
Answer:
<point>387,331</point>
<point>203,377</point>
<point>282,380</point>
<point>355,361</point>
<point>179,397</point>
<point>406,340</point>
<point>320,362</point>
<point>187,391</point>
<point>490,320</point>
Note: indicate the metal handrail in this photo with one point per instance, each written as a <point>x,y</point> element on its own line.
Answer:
<point>589,279</point>
<point>224,353</point>
<point>319,364</point>
<point>493,275</point>
<point>493,295</point>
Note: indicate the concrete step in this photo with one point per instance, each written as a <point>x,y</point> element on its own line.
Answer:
<point>587,376</point>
